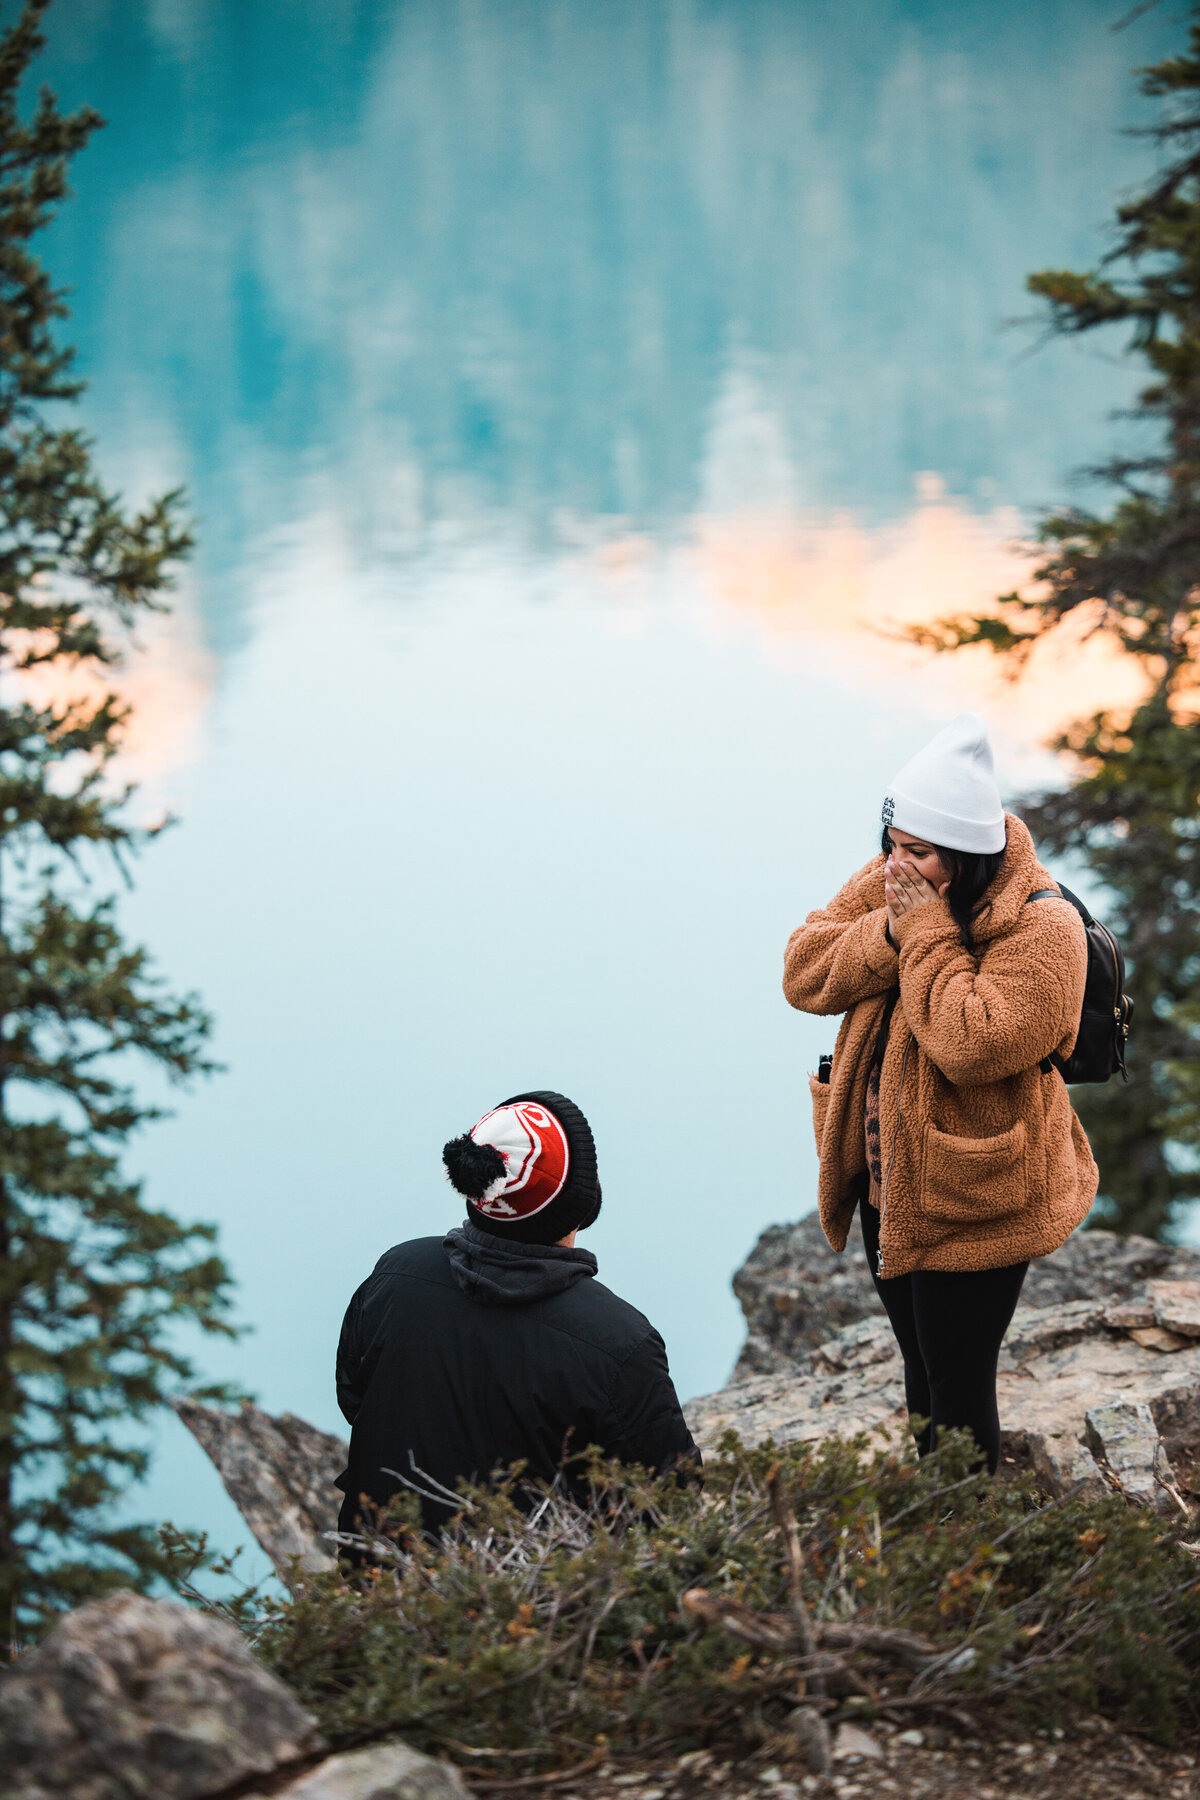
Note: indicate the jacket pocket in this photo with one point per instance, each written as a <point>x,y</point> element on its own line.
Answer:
<point>820,1091</point>
<point>971,1179</point>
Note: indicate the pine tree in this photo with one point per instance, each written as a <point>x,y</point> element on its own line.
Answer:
<point>93,1283</point>
<point>1132,573</point>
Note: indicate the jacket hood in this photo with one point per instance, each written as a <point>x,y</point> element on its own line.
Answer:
<point>496,1271</point>
<point>1019,875</point>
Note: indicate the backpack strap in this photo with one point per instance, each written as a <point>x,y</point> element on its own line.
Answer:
<point>1048,1063</point>
<point>1063,892</point>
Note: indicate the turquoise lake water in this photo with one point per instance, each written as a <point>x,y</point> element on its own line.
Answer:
<point>564,389</point>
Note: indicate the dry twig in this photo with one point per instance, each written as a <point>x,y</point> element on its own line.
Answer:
<point>553,1778</point>
<point>785,1521</point>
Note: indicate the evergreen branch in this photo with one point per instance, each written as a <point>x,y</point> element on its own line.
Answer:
<point>1129,814</point>
<point>93,1282</point>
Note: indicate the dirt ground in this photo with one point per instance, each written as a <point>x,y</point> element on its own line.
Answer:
<point>1095,1763</point>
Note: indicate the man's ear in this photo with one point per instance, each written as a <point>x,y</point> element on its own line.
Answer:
<point>943,890</point>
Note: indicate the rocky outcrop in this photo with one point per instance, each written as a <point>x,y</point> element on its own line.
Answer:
<point>1099,1379</point>
<point>135,1699</point>
<point>279,1473</point>
<point>796,1293</point>
<point>1073,1381</point>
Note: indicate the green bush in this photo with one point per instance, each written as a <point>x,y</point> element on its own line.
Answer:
<point>671,1618</point>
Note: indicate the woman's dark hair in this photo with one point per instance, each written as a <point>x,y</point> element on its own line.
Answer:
<point>971,874</point>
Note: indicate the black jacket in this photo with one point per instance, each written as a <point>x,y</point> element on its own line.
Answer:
<point>463,1355</point>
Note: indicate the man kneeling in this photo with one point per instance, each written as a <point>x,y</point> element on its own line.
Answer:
<point>462,1355</point>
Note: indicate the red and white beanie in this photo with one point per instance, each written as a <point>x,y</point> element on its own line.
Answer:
<point>527,1170</point>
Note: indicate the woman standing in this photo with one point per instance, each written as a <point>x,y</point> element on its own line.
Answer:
<point>939,1124</point>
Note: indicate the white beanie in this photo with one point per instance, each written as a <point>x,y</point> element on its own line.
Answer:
<point>947,793</point>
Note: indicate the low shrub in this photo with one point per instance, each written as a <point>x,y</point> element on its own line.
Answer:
<point>828,1577</point>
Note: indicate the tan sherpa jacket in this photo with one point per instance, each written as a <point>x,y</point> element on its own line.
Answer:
<point>984,1160</point>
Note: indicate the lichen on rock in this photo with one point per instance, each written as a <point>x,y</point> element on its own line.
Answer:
<point>130,1697</point>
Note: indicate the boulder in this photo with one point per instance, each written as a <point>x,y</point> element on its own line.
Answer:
<point>135,1699</point>
<point>382,1772</point>
<point>279,1473</point>
<point>1123,1434</point>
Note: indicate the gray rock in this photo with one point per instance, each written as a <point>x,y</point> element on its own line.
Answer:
<point>811,1733</point>
<point>279,1472</point>
<point>796,1292</point>
<point>1057,1363</point>
<point>1130,1315</point>
<point>1124,1434</point>
<point>383,1772</point>
<point>1099,1265</point>
<point>1154,1337</point>
<point>1176,1306</point>
<point>1064,1464</point>
<point>855,1743</point>
<point>135,1699</point>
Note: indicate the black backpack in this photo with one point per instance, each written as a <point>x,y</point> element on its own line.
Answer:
<point>1107,1009</point>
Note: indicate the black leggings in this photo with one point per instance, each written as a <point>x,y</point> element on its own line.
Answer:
<point>949,1329</point>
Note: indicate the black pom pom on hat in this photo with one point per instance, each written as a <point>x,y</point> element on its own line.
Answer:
<point>472,1167</point>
